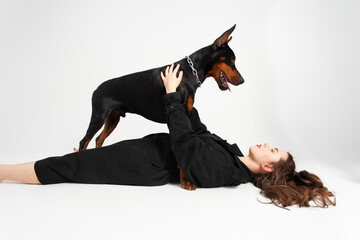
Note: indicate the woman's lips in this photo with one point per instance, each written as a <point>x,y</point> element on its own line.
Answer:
<point>258,145</point>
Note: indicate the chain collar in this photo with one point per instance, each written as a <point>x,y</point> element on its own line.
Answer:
<point>193,70</point>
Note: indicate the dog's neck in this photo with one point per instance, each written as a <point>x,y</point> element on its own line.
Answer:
<point>200,59</point>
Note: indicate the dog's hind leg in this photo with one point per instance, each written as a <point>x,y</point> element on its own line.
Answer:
<point>111,122</point>
<point>100,109</point>
<point>96,123</point>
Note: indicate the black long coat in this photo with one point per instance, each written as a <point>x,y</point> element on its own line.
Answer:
<point>206,159</point>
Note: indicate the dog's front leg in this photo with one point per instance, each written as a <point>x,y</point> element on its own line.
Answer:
<point>185,183</point>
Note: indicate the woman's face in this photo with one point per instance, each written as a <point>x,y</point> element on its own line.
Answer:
<point>266,155</point>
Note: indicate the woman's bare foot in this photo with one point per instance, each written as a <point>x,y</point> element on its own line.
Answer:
<point>1,178</point>
<point>75,149</point>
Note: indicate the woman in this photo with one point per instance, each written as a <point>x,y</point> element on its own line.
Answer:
<point>205,159</point>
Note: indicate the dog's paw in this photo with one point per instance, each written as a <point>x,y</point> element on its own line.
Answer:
<point>185,183</point>
<point>188,185</point>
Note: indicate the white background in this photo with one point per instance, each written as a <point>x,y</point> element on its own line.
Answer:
<point>300,62</point>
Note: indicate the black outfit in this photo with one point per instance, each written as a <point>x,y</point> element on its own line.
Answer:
<point>206,159</point>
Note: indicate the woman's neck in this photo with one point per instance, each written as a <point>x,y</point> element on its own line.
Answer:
<point>253,166</point>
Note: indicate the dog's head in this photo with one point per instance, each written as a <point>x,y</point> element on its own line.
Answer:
<point>222,64</point>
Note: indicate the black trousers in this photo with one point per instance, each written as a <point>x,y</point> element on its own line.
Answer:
<point>146,161</point>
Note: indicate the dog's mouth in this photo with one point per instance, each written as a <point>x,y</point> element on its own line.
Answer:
<point>224,82</point>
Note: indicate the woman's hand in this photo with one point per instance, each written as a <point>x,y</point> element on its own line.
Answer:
<point>171,82</point>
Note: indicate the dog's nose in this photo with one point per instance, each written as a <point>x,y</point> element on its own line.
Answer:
<point>237,79</point>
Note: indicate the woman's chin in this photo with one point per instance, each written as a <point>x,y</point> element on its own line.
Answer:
<point>251,150</point>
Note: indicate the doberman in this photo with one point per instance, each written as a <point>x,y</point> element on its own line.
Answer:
<point>142,92</point>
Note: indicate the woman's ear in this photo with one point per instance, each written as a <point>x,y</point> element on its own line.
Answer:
<point>267,167</point>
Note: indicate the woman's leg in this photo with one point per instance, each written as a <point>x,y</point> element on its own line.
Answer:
<point>22,172</point>
<point>134,162</point>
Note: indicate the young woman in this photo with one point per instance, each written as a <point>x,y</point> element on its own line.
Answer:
<point>205,159</point>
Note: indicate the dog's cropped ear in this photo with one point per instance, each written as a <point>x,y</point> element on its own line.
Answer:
<point>223,38</point>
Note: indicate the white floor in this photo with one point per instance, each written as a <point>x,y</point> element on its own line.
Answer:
<point>95,211</point>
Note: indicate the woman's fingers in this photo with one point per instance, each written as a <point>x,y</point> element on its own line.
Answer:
<point>162,76</point>
<point>171,71</point>
<point>180,75</point>
<point>171,68</point>
<point>177,68</point>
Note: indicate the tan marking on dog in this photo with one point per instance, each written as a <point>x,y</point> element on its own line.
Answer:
<point>190,103</point>
<point>232,75</point>
<point>185,183</point>
<point>113,116</point>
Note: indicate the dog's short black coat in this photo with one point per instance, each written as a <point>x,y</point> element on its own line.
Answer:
<point>142,92</point>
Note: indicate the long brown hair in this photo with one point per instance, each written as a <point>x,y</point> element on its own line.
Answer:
<point>284,186</point>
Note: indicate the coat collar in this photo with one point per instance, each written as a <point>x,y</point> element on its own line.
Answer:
<point>231,147</point>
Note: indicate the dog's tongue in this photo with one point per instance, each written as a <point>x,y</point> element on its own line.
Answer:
<point>227,84</point>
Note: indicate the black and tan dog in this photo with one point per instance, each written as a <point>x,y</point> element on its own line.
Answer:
<point>142,92</point>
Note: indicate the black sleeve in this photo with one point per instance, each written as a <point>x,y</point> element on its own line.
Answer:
<point>197,125</point>
<point>202,164</point>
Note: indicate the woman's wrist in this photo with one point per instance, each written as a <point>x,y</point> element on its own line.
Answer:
<point>170,90</point>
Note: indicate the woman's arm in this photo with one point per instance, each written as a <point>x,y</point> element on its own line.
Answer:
<point>171,82</point>
<point>183,127</point>
<point>196,123</point>
<point>202,164</point>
